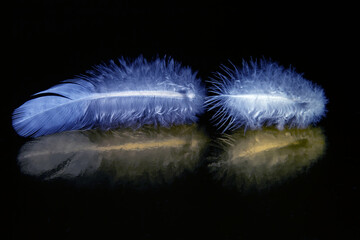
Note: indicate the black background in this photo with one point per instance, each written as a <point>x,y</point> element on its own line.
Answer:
<point>55,40</point>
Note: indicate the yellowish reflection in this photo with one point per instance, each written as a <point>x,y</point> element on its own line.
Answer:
<point>261,158</point>
<point>148,155</point>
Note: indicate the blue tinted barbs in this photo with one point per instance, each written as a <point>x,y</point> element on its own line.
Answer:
<point>124,94</point>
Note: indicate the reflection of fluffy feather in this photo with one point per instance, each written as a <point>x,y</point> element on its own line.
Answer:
<point>265,94</point>
<point>262,158</point>
<point>153,155</point>
<point>161,92</point>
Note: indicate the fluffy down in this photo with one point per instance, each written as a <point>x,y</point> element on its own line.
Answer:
<point>264,93</point>
<point>126,94</point>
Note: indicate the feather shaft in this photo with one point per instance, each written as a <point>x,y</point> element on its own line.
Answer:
<point>260,97</point>
<point>161,94</point>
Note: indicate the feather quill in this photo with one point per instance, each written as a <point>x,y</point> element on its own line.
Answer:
<point>264,93</point>
<point>126,94</point>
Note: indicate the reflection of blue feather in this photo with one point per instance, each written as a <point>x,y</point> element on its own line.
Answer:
<point>265,93</point>
<point>161,92</point>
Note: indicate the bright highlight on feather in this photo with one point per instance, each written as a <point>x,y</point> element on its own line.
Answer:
<point>145,156</point>
<point>264,93</point>
<point>126,94</point>
<point>263,158</point>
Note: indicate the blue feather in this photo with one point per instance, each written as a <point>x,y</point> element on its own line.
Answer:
<point>264,93</point>
<point>127,94</point>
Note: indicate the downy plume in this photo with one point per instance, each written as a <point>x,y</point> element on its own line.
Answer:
<point>123,94</point>
<point>264,93</point>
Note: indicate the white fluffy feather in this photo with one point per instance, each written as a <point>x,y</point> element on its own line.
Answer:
<point>264,93</point>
